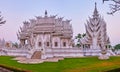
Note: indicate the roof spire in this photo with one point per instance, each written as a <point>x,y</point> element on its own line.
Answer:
<point>45,13</point>
<point>95,4</point>
<point>95,13</point>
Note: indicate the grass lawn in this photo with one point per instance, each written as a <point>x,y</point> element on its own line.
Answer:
<point>86,64</point>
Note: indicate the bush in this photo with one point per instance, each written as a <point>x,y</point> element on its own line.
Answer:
<point>117,47</point>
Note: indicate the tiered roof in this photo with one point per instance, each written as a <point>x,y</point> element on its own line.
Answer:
<point>46,24</point>
<point>95,28</point>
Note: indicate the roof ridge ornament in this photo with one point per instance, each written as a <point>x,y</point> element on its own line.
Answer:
<point>95,13</point>
<point>45,13</point>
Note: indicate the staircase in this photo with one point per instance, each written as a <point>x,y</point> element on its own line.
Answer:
<point>36,55</point>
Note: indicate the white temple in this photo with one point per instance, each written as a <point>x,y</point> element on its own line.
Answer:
<point>46,32</point>
<point>49,37</point>
<point>96,38</point>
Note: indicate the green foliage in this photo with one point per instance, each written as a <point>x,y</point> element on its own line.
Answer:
<point>83,34</point>
<point>78,37</point>
<point>83,64</point>
<point>117,47</point>
<point>78,45</point>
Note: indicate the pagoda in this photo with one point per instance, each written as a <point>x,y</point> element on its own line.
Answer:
<point>96,38</point>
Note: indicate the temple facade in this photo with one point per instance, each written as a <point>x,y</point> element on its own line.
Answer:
<point>51,36</point>
<point>96,38</point>
<point>46,32</point>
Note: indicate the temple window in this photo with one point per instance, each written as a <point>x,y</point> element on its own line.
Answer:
<point>83,46</point>
<point>64,44</point>
<point>47,43</point>
<point>88,45</point>
<point>56,44</point>
<point>40,44</point>
<point>106,46</point>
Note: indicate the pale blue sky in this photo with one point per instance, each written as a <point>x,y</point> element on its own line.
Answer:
<point>17,11</point>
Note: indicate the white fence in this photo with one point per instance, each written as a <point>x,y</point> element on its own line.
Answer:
<point>70,52</point>
<point>54,52</point>
<point>14,52</point>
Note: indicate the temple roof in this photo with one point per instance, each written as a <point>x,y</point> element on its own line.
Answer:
<point>46,24</point>
<point>95,29</point>
<point>95,13</point>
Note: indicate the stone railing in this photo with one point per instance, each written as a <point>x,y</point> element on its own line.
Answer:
<point>64,52</point>
<point>15,52</point>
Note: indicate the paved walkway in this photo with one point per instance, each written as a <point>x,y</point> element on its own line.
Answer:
<point>35,61</point>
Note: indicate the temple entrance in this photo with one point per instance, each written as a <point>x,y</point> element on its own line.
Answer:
<point>36,55</point>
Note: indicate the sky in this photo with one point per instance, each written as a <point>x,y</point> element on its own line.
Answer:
<point>17,11</point>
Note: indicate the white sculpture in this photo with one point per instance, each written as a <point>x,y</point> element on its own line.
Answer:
<point>96,35</point>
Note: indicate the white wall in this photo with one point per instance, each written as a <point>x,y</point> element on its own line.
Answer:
<point>43,38</point>
<point>64,52</point>
<point>67,43</point>
<point>56,39</point>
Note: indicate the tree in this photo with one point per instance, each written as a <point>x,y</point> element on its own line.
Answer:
<point>1,20</point>
<point>114,7</point>
<point>117,47</point>
<point>83,34</point>
<point>78,37</point>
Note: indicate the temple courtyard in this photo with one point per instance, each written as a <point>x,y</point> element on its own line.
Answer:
<point>83,64</point>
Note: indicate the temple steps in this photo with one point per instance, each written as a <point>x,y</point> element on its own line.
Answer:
<point>36,55</point>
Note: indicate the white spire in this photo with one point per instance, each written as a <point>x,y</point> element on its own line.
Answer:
<point>96,34</point>
<point>95,13</point>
